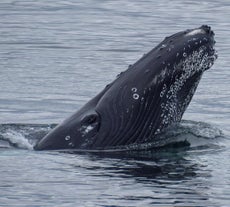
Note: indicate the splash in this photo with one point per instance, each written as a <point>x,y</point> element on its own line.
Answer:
<point>17,139</point>
<point>22,136</point>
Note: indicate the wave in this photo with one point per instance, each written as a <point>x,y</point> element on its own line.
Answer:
<point>22,136</point>
<point>185,134</point>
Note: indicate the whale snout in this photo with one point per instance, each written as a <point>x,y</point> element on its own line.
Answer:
<point>57,138</point>
<point>204,29</point>
<point>207,29</point>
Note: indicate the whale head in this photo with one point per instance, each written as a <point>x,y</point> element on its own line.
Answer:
<point>149,96</point>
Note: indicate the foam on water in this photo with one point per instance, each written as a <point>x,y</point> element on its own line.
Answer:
<point>22,136</point>
<point>17,139</point>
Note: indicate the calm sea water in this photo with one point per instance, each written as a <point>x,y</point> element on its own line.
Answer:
<point>56,55</point>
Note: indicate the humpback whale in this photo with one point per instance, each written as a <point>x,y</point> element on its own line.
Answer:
<point>142,101</point>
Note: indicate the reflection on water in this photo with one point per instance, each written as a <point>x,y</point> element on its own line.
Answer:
<point>176,174</point>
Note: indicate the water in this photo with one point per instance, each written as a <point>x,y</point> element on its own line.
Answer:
<point>56,55</point>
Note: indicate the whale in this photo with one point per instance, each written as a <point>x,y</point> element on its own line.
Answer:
<point>151,95</point>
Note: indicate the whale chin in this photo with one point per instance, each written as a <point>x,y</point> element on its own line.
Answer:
<point>142,101</point>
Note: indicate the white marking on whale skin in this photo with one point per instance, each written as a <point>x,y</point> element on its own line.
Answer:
<point>85,129</point>
<point>196,31</point>
<point>134,89</point>
<point>67,138</point>
<point>88,129</point>
<point>163,45</point>
<point>136,96</point>
<point>162,93</point>
<point>172,109</point>
<point>71,144</point>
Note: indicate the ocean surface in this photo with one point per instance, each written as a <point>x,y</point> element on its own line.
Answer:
<point>56,55</point>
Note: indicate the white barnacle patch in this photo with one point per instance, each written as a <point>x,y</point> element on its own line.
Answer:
<point>134,89</point>
<point>173,108</point>
<point>86,129</point>
<point>136,96</point>
<point>163,91</point>
<point>196,31</point>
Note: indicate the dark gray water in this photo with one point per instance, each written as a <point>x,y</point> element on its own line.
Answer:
<point>56,55</point>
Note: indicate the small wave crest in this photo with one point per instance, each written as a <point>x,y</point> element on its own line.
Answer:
<point>194,134</point>
<point>17,139</point>
<point>22,136</point>
<point>187,133</point>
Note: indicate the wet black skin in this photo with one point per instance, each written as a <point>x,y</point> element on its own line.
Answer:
<point>128,110</point>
